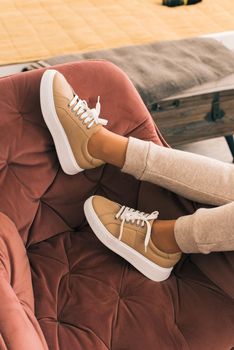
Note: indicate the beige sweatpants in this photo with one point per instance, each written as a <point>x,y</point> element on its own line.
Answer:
<point>195,177</point>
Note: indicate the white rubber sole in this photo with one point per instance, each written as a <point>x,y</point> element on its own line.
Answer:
<point>62,145</point>
<point>142,264</point>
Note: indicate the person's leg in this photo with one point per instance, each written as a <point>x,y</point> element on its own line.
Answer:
<point>193,176</point>
<point>74,126</point>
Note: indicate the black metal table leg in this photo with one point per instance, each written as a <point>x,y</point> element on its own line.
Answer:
<point>230,142</point>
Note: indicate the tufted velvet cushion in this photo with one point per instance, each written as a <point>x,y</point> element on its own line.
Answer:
<point>86,297</point>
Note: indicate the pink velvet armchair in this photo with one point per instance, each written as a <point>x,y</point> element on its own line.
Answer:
<point>60,288</point>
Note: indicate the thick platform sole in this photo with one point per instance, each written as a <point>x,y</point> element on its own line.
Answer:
<point>62,145</point>
<point>145,266</point>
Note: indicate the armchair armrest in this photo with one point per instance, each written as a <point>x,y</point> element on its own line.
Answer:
<point>19,328</point>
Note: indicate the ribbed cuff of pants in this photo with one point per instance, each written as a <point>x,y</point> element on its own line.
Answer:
<point>183,234</point>
<point>207,230</point>
<point>136,157</point>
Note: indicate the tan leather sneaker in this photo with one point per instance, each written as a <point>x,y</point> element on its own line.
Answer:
<point>127,232</point>
<point>70,121</point>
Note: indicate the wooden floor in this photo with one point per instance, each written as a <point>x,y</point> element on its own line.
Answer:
<point>32,30</point>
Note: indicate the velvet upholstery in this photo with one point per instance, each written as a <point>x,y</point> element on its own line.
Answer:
<point>85,296</point>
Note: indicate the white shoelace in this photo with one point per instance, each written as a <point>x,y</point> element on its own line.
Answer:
<point>88,115</point>
<point>126,214</point>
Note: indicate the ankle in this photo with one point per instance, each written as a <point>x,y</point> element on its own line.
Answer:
<point>163,236</point>
<point>95,144</point>
<point>108,147</point>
